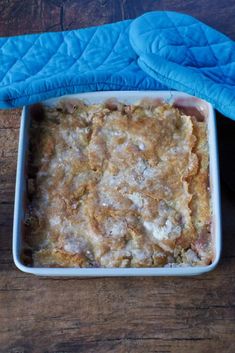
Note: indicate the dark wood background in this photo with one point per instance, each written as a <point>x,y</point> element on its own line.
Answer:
<point>142,315</point>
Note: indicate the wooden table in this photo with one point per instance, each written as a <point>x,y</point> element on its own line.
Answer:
<point>161,315</point>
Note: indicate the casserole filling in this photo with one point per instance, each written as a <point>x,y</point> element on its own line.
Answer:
<point>117,185</point>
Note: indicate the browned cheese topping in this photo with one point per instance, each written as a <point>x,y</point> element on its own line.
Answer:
<point>116,185</point>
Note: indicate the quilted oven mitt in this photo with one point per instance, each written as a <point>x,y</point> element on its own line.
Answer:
<point>159,50</point>
<point>37,67</point>
<point>187,55</point>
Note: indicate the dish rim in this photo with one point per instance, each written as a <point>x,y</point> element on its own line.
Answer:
<point>128,96</point>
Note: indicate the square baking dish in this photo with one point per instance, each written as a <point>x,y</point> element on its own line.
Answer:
<point>190,104</point>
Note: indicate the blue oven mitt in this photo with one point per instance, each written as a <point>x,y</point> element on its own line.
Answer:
<point>40,66</point>
<point>187,55</point>
<point>159,50</point>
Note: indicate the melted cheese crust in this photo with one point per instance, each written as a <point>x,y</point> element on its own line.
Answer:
<point>114,185</point>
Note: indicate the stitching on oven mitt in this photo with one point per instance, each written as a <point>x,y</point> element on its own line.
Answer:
<point>185,54</point>
<point>40,66</point>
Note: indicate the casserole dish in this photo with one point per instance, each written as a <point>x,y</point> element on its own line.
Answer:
<point>191,105</point>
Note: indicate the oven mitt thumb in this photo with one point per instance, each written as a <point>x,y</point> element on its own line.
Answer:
<point>187,55</point>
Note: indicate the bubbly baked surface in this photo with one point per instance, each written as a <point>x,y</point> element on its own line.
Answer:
<point>115,185</point>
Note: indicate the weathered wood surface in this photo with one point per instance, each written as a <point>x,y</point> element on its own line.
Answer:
<point>143,315</point>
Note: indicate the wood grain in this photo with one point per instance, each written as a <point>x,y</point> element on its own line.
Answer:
<point>142,315</point>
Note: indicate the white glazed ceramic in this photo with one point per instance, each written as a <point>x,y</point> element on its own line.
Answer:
<point>128,97</point>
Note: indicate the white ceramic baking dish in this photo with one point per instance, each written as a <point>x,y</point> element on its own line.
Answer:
<point>178,98</point>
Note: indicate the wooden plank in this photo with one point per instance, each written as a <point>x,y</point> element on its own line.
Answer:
<point>168,314</point>
<point>31,16</point>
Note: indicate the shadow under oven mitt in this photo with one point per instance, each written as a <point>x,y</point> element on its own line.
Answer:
<point>159,50</point>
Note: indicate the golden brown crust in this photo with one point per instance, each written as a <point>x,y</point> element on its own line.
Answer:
<point>118,186</point>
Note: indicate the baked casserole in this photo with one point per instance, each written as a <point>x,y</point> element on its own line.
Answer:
<point>117,185</point>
